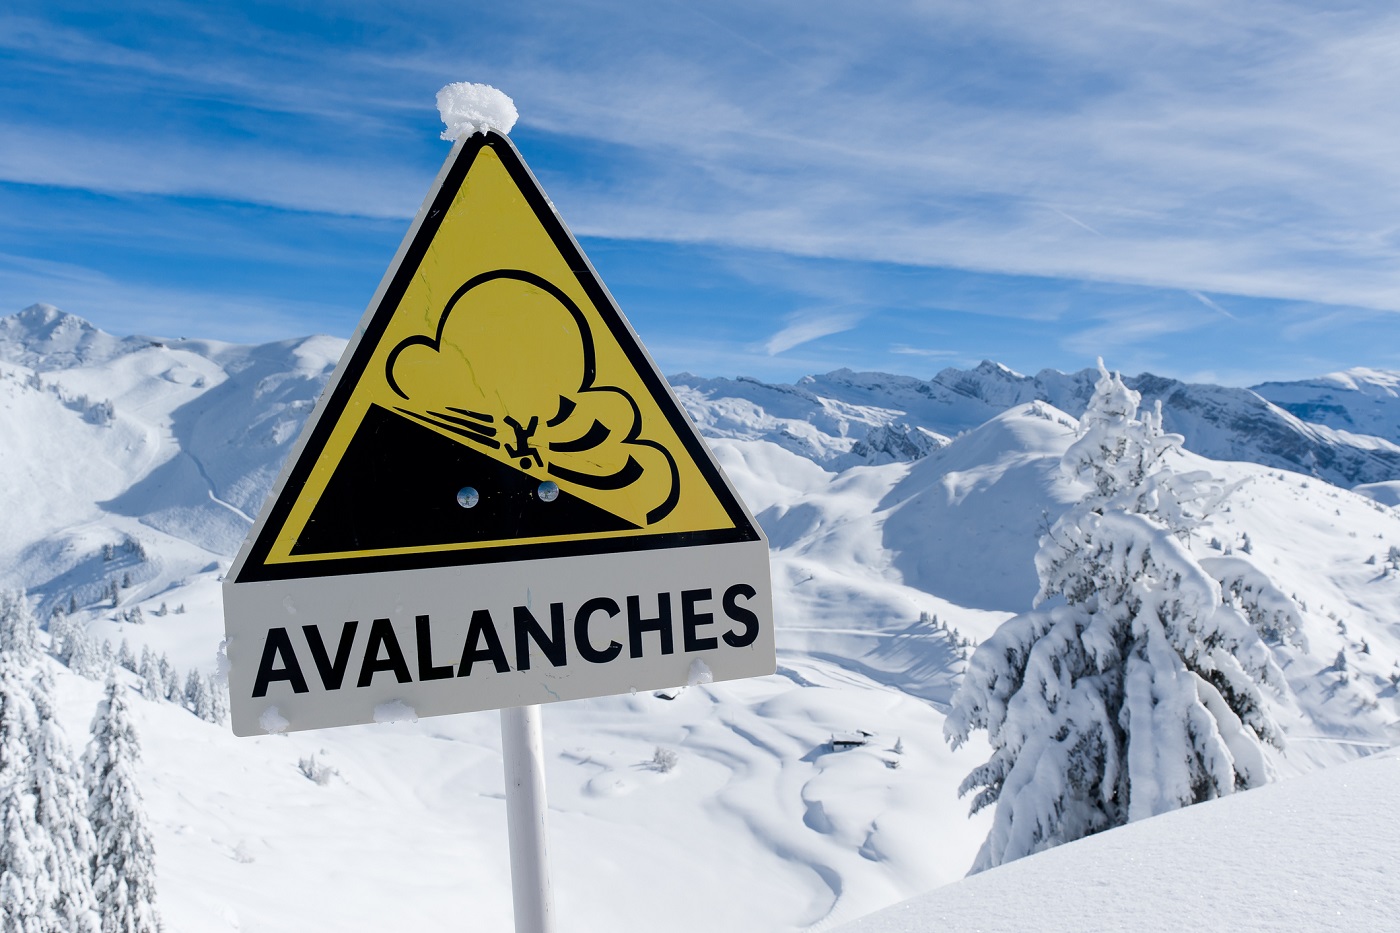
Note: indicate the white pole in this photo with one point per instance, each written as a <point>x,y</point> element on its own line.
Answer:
<point>522,747</point>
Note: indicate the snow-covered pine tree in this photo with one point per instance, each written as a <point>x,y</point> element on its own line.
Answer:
<point>23,888</point>
<point>125,658</point>
<point>60,627</point>
<point>124,865</point>
<point>26,892</point>
<point>152,684</point>
<point>19,630</point>
<point>61,811</point>
<point>1267,607</point>
<point>217,691</point>
<point>45,874</point>
<point>196,694</point>
<point>85,657</point>
<point>1139,693</point>
<point>170,687</point>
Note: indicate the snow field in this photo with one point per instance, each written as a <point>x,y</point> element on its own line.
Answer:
<point>1313,853</point>
<point>882,571</point>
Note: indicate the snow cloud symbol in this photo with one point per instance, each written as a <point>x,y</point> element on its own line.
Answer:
<point>511,372</point>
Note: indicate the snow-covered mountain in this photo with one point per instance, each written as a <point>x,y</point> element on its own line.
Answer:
<point>903,516</point>
<point>1354,438</point>
<point>1364,401</point>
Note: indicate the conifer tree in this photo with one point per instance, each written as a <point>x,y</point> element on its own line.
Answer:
<point>217,691</point>
<point>19,630</point>
<point>84,656</point>
<point>124,864</point>
<point>170,687</point>
<point>45,838</point>
<point>25,891</point>
<point>61,812</point>
<point>152,683</point>
<point>1139,693</point>
<point>61,628</point>
<point>22,885</point>
<point>125,658</point>
<point>196,694</point>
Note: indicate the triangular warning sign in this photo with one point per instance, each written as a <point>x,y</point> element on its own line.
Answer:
<point>495,406</point>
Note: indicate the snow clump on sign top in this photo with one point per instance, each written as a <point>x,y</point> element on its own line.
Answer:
<point>474,108</point>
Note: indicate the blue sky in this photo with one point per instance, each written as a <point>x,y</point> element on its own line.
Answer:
<point>1205,190</point>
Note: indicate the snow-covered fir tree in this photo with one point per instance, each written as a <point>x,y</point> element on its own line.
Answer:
<point>1130,689</point>
<point>61,626</point>
<point>85,656</point>
<point>26,893</point>
<point>1274,615</point>
<point>19,630</point>
<point>124,864</point>
<point>45,873</point>
<point>148,671</point>
<point>125,658</point>
<point>61,811</point>
<point>197,694</point>
<point>217,691</point>
<point>170,687</point>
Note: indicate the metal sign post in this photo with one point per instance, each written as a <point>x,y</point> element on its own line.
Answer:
<point>522,748</point>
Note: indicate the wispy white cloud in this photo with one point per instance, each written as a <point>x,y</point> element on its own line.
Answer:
<point>1209,303</point>
<point>1199,147</point>
<point>1116,333</point>
<point>163,165</point>
<point>806,326</point>
<point>155,310</point>
<point>925,352</point>
<point>1247,156</point>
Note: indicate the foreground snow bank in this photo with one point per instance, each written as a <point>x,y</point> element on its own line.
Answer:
<point>1312,853</point>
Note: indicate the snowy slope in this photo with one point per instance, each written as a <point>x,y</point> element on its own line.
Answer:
<point>886,561</point>
<point>1314,853</point>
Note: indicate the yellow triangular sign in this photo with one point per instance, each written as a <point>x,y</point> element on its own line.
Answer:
<point>495,406</point>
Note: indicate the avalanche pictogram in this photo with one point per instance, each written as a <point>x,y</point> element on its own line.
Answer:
<point>511,371</point>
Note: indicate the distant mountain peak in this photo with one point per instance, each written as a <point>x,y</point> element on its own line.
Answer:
<point>993,368</point>
<point>1367,381</point>
<point>43,337</point>
<point>45,321</point>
